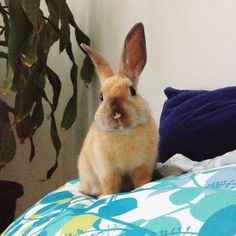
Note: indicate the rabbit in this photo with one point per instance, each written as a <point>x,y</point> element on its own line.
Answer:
<point>123,139</point>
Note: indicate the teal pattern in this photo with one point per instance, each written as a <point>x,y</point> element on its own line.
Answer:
<point>191,204</point>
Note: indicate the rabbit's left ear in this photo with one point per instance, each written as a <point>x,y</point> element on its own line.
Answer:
<point>133,57</point>
<point>102,67</point>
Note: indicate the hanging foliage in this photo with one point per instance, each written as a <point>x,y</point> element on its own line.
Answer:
<point>28,35</point>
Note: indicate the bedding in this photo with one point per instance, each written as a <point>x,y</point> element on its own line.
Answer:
<point>201,203</point>
<point>179,164</point>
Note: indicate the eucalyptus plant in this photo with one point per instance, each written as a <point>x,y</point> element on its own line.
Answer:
<point>27,34</point>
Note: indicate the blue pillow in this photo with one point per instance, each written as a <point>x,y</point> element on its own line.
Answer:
<point>199,124</point>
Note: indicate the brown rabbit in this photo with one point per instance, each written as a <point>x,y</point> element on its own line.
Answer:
<point>123,139</point>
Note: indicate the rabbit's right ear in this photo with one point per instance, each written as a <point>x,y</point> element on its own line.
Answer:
<point>133,57</point>
<point>102,67</point>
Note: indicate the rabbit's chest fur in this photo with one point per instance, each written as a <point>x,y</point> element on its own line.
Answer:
<point>124,149</point>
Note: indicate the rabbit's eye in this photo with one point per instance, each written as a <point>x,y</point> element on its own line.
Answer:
<point>101,96</point>
<point>132,90</point>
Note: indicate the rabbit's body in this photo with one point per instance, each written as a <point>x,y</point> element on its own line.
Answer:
<point>123,139</point>
<point>105,152</point>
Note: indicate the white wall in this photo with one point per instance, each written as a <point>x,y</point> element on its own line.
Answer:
<point>191,44</point>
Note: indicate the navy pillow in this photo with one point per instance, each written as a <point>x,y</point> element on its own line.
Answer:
<point>199,124</point>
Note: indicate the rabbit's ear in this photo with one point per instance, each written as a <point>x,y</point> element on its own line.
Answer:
<point>133,57</point>
<point>102,67</point>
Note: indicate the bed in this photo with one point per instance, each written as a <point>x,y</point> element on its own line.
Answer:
<point>199,198</point>
<point>190,204</point>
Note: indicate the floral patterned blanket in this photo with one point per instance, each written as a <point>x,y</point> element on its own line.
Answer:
<point>191,204</point>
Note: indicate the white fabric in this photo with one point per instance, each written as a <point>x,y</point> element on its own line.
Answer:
<point>179,164</point>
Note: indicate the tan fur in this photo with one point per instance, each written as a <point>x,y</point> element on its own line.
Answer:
<point>102,67</point>
<point>141,175</point>
<point>115,147</point>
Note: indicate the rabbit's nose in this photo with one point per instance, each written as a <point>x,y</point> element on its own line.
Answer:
<point>116,109</point>
<point>117,116</point>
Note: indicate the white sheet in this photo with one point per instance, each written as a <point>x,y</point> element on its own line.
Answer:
<point>179,164</point>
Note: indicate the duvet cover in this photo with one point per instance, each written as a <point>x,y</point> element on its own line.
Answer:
<point>190,204</point>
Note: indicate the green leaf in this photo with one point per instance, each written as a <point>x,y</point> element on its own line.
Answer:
<point>23,129</point>
<point>70,53</point>
<point>48,36</point>
<point>3,55</point>
<point>37,116</point>
<point>19,31</point>
<point>1,30</point>
<point>50,32</point>
<point>31,9</point>
<point>32,150</point>
<point>70,112</point>
<point>27,127</point>
<point>3,43</point>
<point>4,111</point>
<point>7,145</point>
<point>56,143</point>
<point>87,70</point>
<point>54,8</point>
<point>65,27</point>
<point>81,37</point>
<point>56,86</point>
<point>52,170</point>
<point>30,54</point>
<point>17,104</point>
<point>7,139</point>
<point>42,93</point>
<point>53,130</point>
<point>28,91</point>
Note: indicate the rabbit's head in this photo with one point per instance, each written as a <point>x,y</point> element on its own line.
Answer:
<point>121,106</point>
